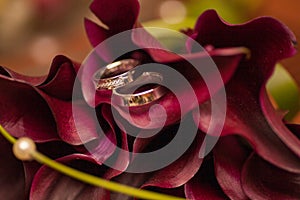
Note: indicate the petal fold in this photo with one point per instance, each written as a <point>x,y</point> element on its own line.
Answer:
<point>229,158</point>
<point>117,18</point>
<point>50,184</point>
<point>204,185</point>
<point>261,180</point>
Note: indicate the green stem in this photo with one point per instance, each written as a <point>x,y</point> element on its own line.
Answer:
<point>93,180</point>
<point>90,179</point>
<point>10,138</point>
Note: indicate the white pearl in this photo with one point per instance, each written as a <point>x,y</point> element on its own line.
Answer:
<point>23,148</point>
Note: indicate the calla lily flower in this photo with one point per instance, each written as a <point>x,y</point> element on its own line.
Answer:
<point>249,111</point>
<point>269,41</point>
<point>227,60</point>
<point>253,133</point>
<point>41,108</point>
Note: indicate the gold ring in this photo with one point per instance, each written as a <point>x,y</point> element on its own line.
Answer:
<point>153,91</point>
<point>116,74</point>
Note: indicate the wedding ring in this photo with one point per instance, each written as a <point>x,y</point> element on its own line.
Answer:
<point>149,81</point>
<point>116,74</point>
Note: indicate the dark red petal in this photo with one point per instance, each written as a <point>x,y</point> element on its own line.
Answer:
<point>118,15</point>
<point>120,159</point>
<point>74,120</point>
<point>30,169</point>
<point>127,14</point>
<point>60,80</point>
<point>276,122</point>
<point>12,177</point>
<point>30,115</point>
<point>180,171</point>
<point>229,158</point>
<point>261,135</point>
<point>50,184</point>
<point>95,33</point>
<point>56,64</point>
<point>261,180</point>
<point>104,148</point>
<point>130,179</point>
<point>85,81</point>
<point>54,150</point>
<point>204,185</point>
<point>36,80</point>
<point>16,177</point>
<point>24,112</point>
<point>105,145</point>
<point>248,112</point>
<point>267,38</point>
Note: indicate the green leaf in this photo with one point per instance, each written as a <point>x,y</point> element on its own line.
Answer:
<point>285,91</point>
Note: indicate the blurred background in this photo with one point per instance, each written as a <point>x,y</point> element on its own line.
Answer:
<point>32,32</point>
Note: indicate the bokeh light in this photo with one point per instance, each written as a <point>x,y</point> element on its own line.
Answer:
<point>39,53</point>
<point>172,11</point>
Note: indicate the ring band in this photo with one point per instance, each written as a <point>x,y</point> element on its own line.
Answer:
<point>121,98</point>
<point>116,74</point>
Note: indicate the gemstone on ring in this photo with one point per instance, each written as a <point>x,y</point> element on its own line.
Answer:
<point>116,74</point>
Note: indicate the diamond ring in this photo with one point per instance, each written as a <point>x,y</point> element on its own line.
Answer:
<point>116,74</point>
<point>144,90</point>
